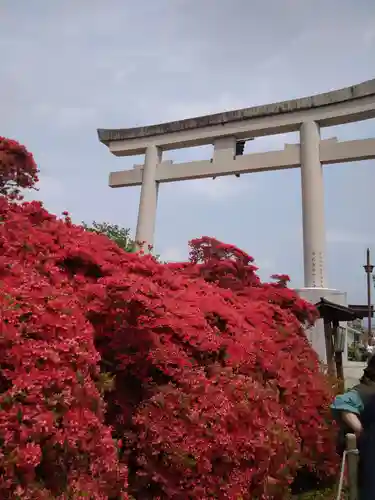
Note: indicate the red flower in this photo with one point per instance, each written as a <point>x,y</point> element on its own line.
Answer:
<point>18,169</point>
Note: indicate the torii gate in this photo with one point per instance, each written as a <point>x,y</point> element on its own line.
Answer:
<point>227,131</point>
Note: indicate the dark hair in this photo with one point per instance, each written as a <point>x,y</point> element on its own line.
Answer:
<point>368,414</point>
<point>369,371</point>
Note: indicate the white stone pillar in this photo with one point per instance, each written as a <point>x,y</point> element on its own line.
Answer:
<point>312,206</point>
<point>149,196</point>
<point>224,150</point>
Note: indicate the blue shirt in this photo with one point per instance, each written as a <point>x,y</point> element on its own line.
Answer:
<point>350,401</point>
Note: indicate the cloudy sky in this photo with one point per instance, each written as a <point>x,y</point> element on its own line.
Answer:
<point>69,67</point>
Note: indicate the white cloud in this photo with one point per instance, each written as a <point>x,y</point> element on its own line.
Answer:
<point>349,237</point>
<point>75,116</point>
<point>369,37</point>
<point>66,117</point>
<point>47,187</point>
<point>266,265</point>
<point>220,188</point>
<point>200,107</point>
<point>51,192</point>
<point>369,34</point>
<point>173,254</point>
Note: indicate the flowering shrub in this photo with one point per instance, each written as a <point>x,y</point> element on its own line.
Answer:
<point>189,380</point>
<point>52,434</point>
<point>17,168</point>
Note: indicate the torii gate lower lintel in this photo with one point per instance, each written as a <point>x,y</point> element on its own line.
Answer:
<point>224,130</point>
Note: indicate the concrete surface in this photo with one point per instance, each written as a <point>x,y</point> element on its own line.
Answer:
<point>353,371</point>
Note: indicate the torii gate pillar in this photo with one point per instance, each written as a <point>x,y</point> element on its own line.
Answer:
<point>149,197</point>
<point>312,206</point>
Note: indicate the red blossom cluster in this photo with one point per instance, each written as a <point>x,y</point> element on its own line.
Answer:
<point>17,168</point>
<point>121,375</point>
<point>53,439</point>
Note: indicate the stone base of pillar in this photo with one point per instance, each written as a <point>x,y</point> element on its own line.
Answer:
<point>315,334</point>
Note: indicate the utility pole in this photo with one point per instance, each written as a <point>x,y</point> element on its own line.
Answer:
<point>368,267</point>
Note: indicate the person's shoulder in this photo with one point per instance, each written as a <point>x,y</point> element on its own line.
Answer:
<point>351,401</point>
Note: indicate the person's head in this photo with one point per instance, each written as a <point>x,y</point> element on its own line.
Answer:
<point>368,376</point>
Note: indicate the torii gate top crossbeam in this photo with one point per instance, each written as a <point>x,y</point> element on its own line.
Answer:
<point>349,104</point>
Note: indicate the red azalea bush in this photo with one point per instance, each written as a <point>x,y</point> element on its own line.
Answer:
<point>17,168</point>
<point>189,380</point>
<point>52,433</point>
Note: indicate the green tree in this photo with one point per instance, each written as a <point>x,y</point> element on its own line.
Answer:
<point>121,236</point>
